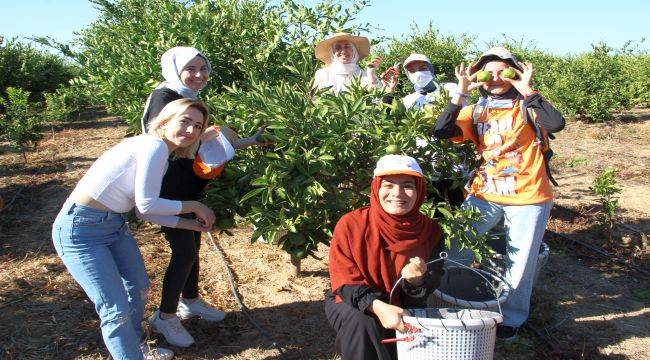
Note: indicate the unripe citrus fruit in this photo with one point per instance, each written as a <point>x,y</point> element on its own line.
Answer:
<point>297,239</point>
<point>484,76</point>
<point>299,253</point>
<point>225,223</point>
<point>391,149</point>
<point>508,73</point>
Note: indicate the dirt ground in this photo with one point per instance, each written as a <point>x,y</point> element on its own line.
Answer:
<point>584,307</point>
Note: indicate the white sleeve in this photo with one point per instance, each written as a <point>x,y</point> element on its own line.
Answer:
<point>164,220</point>
<point>151,164</point>
<point>320,79</point>
<point>216,151</point>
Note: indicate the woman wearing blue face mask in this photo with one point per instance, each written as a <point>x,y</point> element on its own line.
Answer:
<point>420,72</point>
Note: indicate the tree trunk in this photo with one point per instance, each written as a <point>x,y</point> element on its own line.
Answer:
<point>294,266</point>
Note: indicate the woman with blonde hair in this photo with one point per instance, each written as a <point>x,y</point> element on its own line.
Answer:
<point>92,237</point>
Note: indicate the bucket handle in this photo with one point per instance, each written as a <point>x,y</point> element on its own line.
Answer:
<point>444,256</point>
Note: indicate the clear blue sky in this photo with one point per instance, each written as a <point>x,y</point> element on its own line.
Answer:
<point>558,26</point>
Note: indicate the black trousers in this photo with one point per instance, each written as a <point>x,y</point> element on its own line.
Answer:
<point>182,275</point>
<point>358,335</point>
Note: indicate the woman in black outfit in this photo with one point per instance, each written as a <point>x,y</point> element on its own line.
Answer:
<point>186,72</point>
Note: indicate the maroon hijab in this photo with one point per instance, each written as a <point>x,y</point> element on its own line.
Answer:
<point>370,247</point>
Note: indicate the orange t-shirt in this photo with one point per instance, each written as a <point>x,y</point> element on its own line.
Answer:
<point>512,170</point>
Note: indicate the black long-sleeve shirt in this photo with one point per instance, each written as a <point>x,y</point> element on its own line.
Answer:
<point>159,98</point>
<point>547,116</point>
<point>361,296</point>
<point>179,182</point>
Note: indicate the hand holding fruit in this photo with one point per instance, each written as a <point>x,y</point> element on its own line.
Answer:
<point>204,214</point>
<point>374,63</point>
<point>523,80</point>
<point>414,271</point>
<point>389,78</point>
<point>466,82</point>
<point>193,224</point>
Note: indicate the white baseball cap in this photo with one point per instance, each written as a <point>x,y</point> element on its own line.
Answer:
<point>397,165</point>
<point>416,57</point>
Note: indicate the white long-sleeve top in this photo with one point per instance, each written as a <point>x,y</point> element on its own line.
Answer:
<point>214,153</point>
<point>130,174</point>
<point>325,78</point>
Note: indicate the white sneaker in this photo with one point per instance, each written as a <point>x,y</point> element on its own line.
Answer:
<point>172,330</point>
<point>155,353</point>
<point>199,309</point>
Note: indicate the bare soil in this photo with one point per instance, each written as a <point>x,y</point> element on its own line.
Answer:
<point>584,307</point>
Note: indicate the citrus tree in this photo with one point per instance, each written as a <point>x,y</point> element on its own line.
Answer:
<point>20,124</point>
<point>119,53</point>
<point>321,165</point>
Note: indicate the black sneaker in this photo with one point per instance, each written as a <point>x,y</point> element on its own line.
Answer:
<point>507,333</point>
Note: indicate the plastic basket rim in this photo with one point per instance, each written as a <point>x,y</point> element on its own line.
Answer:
<point>489,322</point>
<point>478,305</point>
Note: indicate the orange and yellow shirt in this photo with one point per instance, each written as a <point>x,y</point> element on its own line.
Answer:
<point>512,170</point>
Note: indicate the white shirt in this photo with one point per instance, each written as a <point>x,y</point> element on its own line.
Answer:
<point>325,78</point>
<point>416,101</point>
<point>130,174</point>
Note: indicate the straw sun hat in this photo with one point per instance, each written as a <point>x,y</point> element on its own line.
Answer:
<point>324,48</point>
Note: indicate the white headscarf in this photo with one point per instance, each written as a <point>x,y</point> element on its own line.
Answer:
<point>172,62</point>
<point>341,74</point>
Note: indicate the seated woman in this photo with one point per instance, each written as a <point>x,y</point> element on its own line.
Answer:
<point>422,75</point>
<point>91,236</point>
<point>341,53</point>
<point>370,249</point>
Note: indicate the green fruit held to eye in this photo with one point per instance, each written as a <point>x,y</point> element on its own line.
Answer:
<point>484,76</point>
<point>509,73</point>
<point>391,149</point>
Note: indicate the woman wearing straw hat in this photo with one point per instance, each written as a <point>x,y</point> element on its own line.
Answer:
<point>186,72</point>
<point>341,53</point>
<point>509,126</point>
<point>371,249</point>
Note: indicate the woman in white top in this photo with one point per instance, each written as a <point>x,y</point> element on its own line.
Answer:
<point>341,53</point>
<point>91,235</point>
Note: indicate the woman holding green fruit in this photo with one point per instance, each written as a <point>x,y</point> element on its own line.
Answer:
<point>186,72</point>
<point>510,127</point>
<point>371,249</point>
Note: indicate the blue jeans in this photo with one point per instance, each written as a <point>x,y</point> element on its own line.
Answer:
<point>524,226</point>
<point>97,248</point>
